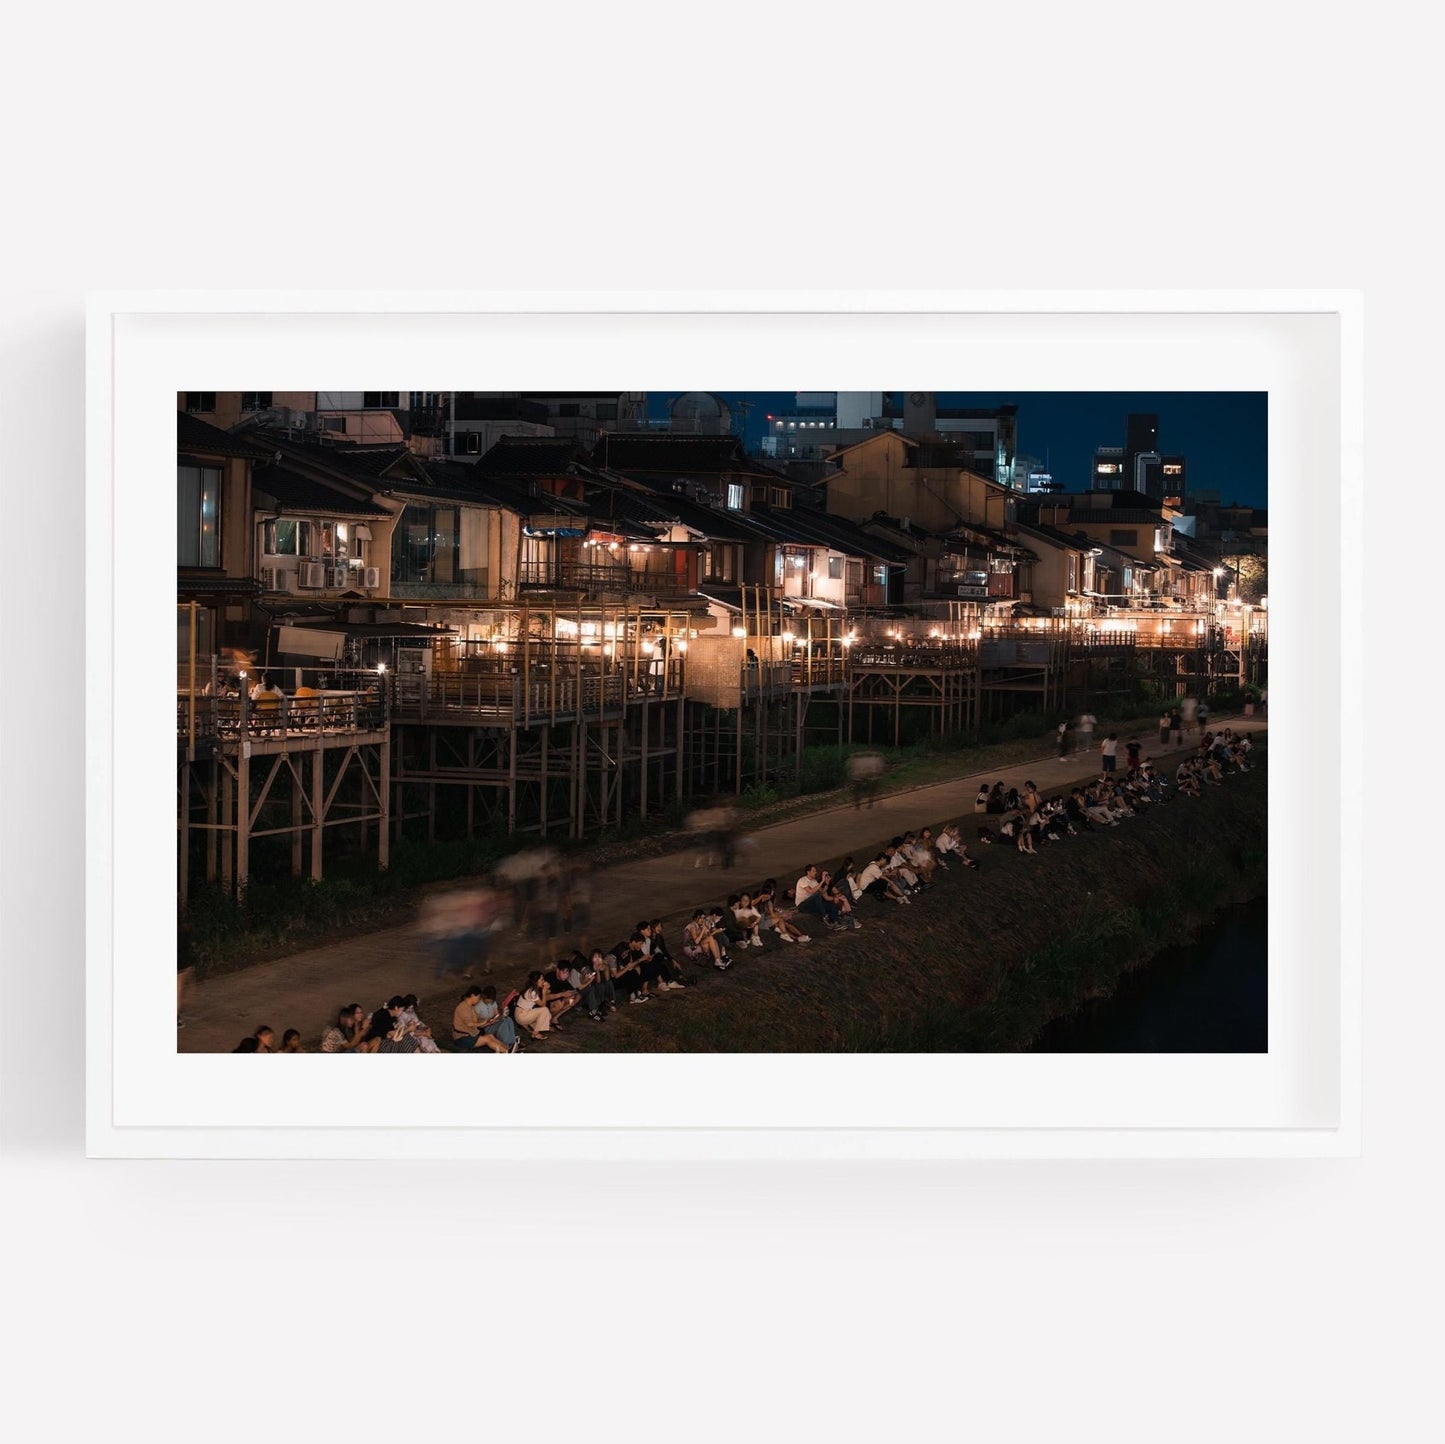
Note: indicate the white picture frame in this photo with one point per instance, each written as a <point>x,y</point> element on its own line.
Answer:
<point>1302,1098</point>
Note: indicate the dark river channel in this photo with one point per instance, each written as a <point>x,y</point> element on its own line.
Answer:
<point>1209,996</point>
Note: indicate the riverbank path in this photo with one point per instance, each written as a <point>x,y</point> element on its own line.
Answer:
<point>304,990</point>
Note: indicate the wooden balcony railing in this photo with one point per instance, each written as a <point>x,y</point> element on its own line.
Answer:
<point>594,578</point>
<point>232,718</point>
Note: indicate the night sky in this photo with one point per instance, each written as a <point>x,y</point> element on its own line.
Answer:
<point>1222,434</point>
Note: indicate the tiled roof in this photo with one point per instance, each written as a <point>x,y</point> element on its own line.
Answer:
<point>193,434</point>
<point>675,455</point>
<point>1057,537</point>
<point>364,467</point>
<point>374,460</point>
<point>912,531</point>
<point>465,482</point>
<point>526,456</point>
<point>205,583</point>
<point>817,528</point>
<point>295,492</point>
<point>614,500</point>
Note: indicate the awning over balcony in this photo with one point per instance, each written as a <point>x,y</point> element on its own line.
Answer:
<point>722,601</point>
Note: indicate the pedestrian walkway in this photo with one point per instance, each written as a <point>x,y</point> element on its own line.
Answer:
<point>305,989</point>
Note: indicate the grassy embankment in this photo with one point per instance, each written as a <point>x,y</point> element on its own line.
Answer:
<point>987,958</point>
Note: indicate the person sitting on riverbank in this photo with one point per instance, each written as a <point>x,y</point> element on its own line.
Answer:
<point>929,844</point>
<point>1056,824</point>
<point>701,939</point>
<point>748,919</point>
<point>590,986</point>
<point>348,1031</point>
<point>834,891</point>
<point>1185,780</point>
<point>468,1032</point>
<point>995,798</point>
<point>496,1020</point>
<point>980,803</point>
<point>659,952</point>
<point>385,1035</point>
<point>808,897</point>
<point>558,995</point>
<point>780,919</point>
<point>1029,798</point>
<point>1150,783</point>
<point>413,1025</point>
<point>656,976</point>
<point>624,966</point>
<point>951,844</point>
<point>899,870</point>
<point>601,965</point>
<point>531,1012</point>
<point>920,859</point>
<point>1097,812</point>
<point>1115,796</point>
<point>1077,811</point>
<point>874,881</point>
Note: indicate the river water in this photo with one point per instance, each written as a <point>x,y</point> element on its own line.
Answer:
<point>1208,996</point>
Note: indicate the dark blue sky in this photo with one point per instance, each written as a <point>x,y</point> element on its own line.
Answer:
<point>1222,434</point>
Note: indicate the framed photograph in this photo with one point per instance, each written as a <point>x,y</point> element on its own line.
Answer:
<point>497,702</point>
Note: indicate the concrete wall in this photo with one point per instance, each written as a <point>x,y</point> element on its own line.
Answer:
<point>875,478</point>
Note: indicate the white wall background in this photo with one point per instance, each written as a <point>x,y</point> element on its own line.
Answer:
<point>1040,1301</point>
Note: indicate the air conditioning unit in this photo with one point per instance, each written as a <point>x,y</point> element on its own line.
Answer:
<point>340,577</point>
<point>300,421</point>
<point>373,578</point>
<point>313,574</point>
<point>268,579</point>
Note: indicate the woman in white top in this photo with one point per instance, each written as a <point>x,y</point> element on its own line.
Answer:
<point>530,1011</point>
<point>748,918</point>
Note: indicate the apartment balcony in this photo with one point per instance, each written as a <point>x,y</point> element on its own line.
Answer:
<point>596,579</point>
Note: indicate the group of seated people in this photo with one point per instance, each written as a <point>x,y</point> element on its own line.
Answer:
<point>263,1040</point>
<point>1027,819</point>
<point>1218,754</point>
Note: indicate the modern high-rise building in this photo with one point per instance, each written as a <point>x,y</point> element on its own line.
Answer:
<point>1141,445</point>
<point>1139,465</point>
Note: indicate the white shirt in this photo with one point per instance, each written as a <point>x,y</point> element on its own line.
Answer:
<point>869,875</point>
<point>746,916</point>
<point>805,889</point>
<point>1109,747</point>
<point>946,842</point>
